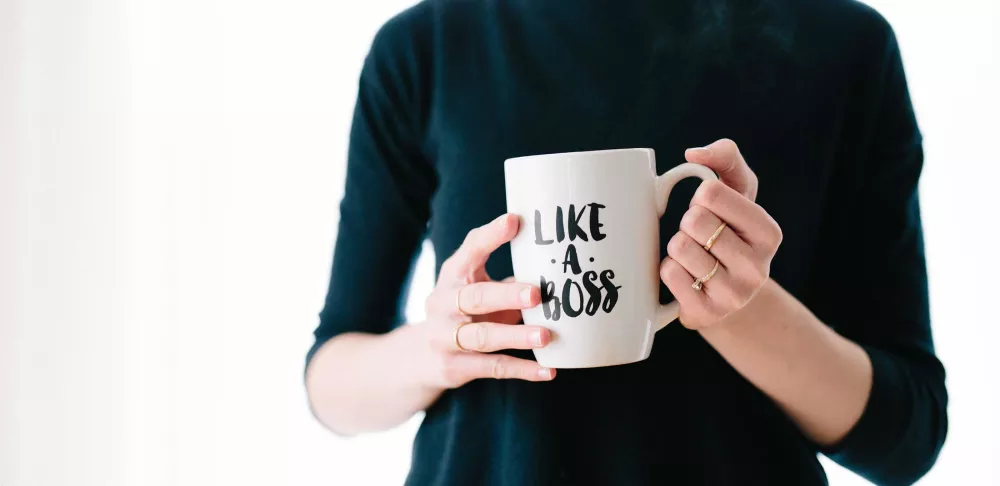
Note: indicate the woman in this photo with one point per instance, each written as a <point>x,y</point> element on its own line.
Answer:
<point>821,346</point>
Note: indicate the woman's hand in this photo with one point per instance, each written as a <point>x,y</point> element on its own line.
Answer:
<point>484,312</point>
<point>361,382</point>
<point>743,248</point>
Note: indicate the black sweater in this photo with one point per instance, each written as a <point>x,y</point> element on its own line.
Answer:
<point>814,93</point>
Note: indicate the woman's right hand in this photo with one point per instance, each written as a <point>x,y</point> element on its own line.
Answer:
<point>485,313</point>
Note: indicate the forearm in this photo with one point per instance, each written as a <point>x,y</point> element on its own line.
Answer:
<point>819,378</point>
<point>363,382</point>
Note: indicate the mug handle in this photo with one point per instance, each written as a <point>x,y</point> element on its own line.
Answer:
<point>664,184</point>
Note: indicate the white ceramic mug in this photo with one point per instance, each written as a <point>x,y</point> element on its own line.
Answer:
<point>589,237</point>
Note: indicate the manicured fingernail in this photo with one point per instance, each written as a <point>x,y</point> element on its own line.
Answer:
<point>536,338</point>
<point>701,151</point>
<point>526,296</point>
<point>545,373</point>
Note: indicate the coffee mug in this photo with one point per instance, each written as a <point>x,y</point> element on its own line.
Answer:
<point>589,237</point>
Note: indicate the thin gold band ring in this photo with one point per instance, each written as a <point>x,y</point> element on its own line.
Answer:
<point>715,236</point>
<point>458,307</point>
<point>455,336</point>
<point>701,281</point>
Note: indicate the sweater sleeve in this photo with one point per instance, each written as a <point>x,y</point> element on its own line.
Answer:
<point>870,280</point>
<point>388,186</point>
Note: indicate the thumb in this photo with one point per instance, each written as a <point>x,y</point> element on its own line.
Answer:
<point>724,157</point>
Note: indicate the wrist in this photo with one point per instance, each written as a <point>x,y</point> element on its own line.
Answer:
<point>417,361</point>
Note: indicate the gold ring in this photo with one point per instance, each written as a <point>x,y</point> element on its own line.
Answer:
<point>458,344</point>
<point>715,236</point>
<point>458,302</point>
<point>699,282</point>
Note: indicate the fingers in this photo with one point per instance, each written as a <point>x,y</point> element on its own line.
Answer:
<point>700,224</point>
<point>724,157</point>
<point>699,263</point>
<point>678,281</point>
<point>461,368</point>
<point>748,220</point>
<point>691,255</point>
<point>485,297</point>
<point>482,298</point>
<point>508,316</point>
<point>742,249</point>
<point>478,245</point>
<point>743,268</point>
<point>486,337</point>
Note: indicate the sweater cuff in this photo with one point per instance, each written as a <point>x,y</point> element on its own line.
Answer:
<point>874,439</point>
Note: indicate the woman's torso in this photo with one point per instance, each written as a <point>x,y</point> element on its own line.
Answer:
<point>511,78</point>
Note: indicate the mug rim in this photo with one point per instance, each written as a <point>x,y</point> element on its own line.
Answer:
<point>582,153</point>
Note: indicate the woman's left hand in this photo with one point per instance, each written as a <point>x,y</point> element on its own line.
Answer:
<point>743,249</point>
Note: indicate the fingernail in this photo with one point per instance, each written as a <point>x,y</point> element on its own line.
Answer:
<point>701,151</point>
<point>545,373</point>
<point>526,296</point>
<point>536,338</point>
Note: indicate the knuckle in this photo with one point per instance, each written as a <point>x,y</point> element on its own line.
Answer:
<point>499,369</point>
<point>665,271</point>
<point>438,302</point>
<point>685,319</point>
<point>757,277</point>
<point>692,217</point>
<point>704,318</point>
<point>482,333</point>
<point>671,271</point>
<point>676,244</point>
<point>476,297</point>
<point>727,144</point>
<point>771,241</point>
<point>447,266</point>
<point>504,223</point>
<point>455,268</point>
<point>772,235</point>
<point>776,235</point>
<point>709,193</point>
<point>471,237</point>
<point>695,318</point>
<point>676,269</point>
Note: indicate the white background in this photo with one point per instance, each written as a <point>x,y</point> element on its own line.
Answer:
<point>169,179</point>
